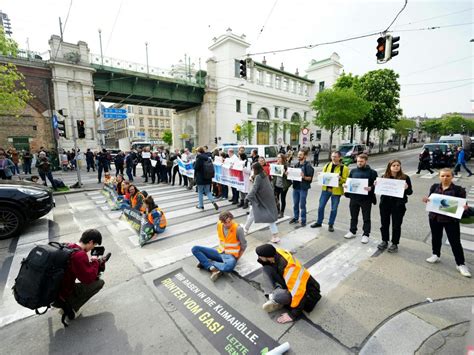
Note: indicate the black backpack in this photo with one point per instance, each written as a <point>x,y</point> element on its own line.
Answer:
<point>41,273</point>
<point>208,169</point>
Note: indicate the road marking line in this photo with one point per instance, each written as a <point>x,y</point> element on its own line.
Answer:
<point>466,244</point>
<point>467,230</point>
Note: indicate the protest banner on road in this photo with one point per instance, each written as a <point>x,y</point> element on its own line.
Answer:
<point>228,331</point>
<point>186,169</point>
<point>110,194</point>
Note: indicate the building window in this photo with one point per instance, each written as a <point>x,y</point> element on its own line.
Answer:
<point>285,84</point>
<point>285,112</point>
<point>140,110</point>
<point>162,123</point>
<point>156,122</point>
<point>155,111</point>
<point>149,111</point>
<point>141,123</point>
<point>305,90</point>
<point>278,82</point>
<point>318,135</point>
<point>268,79</point>
<point>168,125</point>
<point>130,109</point>
<point>150,122</point>
<point>161,112</point>
<point>237,105</point>
<point>305,114</point>
<point>237,68</point>
<point>321,86</point>
<point>276,112</point>
<point>260,77</point>
<point>249,108</point>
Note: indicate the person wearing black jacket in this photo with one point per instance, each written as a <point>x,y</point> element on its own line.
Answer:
<point>203,183</point>
<point>439,222</point>
<point>361,202</point>
<point>118,162</point>
<point>393,207</point>
<point>424,163</point>
<point>103,164</point>
<point>129,164</point>
<point>300,188</point>
<point>175,169</point>
<point>90,160</point>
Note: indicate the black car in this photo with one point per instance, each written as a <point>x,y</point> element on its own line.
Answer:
<point>20,203</point>
<point>445,156</point>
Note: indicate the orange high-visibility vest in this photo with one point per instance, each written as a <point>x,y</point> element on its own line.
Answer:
<point>134,202</point>
<point>230,244</point>
<point>296,276</point>
<point>162,219</point>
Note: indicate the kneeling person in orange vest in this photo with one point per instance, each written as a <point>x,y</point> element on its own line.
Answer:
<point>286,283</point>
<point>232,244</point>
<point>156,221</point>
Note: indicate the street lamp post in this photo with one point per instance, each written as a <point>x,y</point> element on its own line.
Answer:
<point>101,53</point>
<point>146,49</point>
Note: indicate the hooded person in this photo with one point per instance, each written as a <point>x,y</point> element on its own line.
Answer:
<point>286,283</point>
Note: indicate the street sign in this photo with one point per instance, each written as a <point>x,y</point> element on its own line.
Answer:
<point>141,134</point>
<point>305,131</point>
<point>102,131</point>
<point>114,110</point>
<point>115,116</point>
<point>304,137</point>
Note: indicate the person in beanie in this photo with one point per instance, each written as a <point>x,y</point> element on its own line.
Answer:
<point>286,282</point>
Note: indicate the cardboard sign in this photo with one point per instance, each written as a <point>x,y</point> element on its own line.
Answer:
<point>153,162</point>
<point>294,174</point>
<point>356,186</point>
<point>390,187</point>
<point>225,328</point>
<point>446,205</point>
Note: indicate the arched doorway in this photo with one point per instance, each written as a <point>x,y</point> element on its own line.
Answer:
<point>263,128</point>
<point>295,129</point>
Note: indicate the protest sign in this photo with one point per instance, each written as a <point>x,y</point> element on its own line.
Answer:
<point>294,174</point>
<point>276,170</point>
<point>186,169</point>
<point>390,187</point>
<point>356,186</point>
<point>446,205</point>
<point>111,195</point>
<point>231,177</point>
<point>134,217</point>
<point>153,162</point>
<point>238,165</point>
<point>146,155</point>
<point>227,330</point>
<point>328,179</point>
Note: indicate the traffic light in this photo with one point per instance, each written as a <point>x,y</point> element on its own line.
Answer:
<point>61,129</point>
<point>390,45</point>
<point>81,130</point>
<point>381,50</point>
<point>243,69</point>
<point>311,137</point>
<point>215,140</point>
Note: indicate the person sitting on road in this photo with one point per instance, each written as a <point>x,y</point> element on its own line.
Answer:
<point>72,295</point>
<point>108,179</point>
<point>156,221</point>
<point>136,199</point>
<point>119,184</point>
<point>232,244</point>
<point>286,283</point>
<point>123,200</point>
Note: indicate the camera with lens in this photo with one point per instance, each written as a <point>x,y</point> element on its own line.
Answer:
<point>98,252</point>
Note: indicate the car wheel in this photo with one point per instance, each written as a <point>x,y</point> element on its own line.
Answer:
<point>11,222</point>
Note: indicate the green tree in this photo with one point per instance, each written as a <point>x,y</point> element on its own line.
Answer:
<point>403,128</point>
<point>336,108</point>
<point>167,137</point>
<point>433,127</point>
<point>381,89</point>
<point>13,93</point>
<point>454,123</point>
<point>247,130</point>
<point>348,81</point>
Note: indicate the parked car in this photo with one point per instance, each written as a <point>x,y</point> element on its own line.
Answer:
<point>20,203</point>
<point>350,151</point>
<point>447,158</point>
<point>458,140</point>
<point>269,152</point>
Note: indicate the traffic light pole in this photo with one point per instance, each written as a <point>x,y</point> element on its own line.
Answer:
<point>74,139</point>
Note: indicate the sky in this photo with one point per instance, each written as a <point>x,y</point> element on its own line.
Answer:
<point>435,66</point>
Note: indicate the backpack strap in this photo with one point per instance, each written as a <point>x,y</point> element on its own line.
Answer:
<point>325,169</point>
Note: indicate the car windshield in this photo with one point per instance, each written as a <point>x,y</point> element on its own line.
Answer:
<point>432,147</point>
<point>455,142</point>
<point>345,148</point>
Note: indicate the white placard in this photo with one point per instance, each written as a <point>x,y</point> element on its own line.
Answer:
<point>163,162</point>
<point>356,186</point>
<point>328,179</point>
<point>227,163</point>
<point>294,174</point>
<point>239,165</point>
<point>446,205</point>
<point>276,169</point>
<point>390,187</point>
<point>146,155</point>
<point>153,162</point>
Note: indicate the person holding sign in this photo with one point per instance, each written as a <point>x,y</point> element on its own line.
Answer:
<point>333,193</point>
<point>393,207</point>
<point>286,283</point>
<point>281,185</point>
<point>361,202</point>
<point>300,188</point>
<point>232,244</point>
<point>439,222</point>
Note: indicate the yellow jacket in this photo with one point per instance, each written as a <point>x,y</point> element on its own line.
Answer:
<point>336,169</point>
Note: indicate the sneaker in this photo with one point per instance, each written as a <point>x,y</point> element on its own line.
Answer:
<point>331,228</point>
<point>271,306</point>
<point>303,224</point>
<point>433,259</point>
<point>315,225</point>
<point>463,270</point>
<point>215,206</point>
<point>383,245</point>
<point>469,176</point>
<point>215,274</point>
<point>349,235</point>
<point>280,215</point>
<point>293,221</point>
<point>200,208</point>
<point>364,239</point>
<point>393,248</point>
<point>275,239</point>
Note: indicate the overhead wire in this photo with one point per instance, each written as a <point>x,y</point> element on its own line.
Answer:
<point>435,17</point>
<point>63,30</point>
<point>391,23</point>
<point>265,22</point>
<point>435,91</point>
<point>113,26</point>
<point>437,82</point>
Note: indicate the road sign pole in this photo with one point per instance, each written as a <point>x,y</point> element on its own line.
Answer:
<point>101,120</point>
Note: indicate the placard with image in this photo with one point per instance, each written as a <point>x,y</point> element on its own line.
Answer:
<point>328,179</point>
<point>356,186</point>
<point>390,187</point>
<point>446,205</point>
<point>294,174</point>
<point>276,169</point>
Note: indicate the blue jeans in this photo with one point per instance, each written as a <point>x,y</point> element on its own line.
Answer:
<point>211,257</point>
<point>129,173</point>
<point>204,189</point>
<point>457,168</point>
<point>323,200</point>
<point>299,203</point>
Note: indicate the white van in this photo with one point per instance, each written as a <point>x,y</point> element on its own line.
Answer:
<point>458,140</point>
<point>269,152</point>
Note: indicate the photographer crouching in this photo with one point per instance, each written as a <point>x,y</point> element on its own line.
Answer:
<point>72,295</point>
